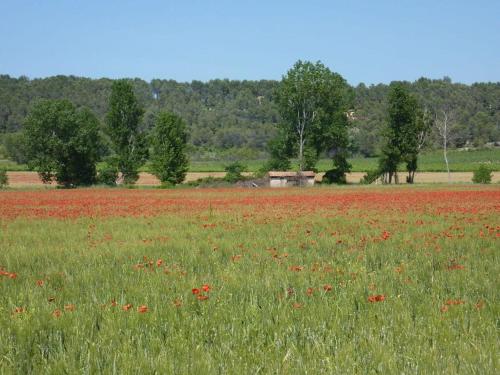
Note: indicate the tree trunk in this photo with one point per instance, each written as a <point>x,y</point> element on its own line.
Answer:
<point>446,161</point>
<point>445,143</point>
<point>301,152</point>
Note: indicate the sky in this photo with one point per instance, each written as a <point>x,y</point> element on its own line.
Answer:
<point>370,41</point>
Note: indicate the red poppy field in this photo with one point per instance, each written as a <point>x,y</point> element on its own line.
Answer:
<point>321,280</point>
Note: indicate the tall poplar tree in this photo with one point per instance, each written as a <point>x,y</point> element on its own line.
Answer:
<point>169,161</point>
<point>405,126</point>
<point>123,120</point>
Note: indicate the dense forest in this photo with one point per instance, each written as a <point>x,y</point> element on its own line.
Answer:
<point>236,119</point>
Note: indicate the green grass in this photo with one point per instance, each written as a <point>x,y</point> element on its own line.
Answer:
<point>9,165</point>
<point>259,317</point>
<point>460,161</point>
<point>431,161</point>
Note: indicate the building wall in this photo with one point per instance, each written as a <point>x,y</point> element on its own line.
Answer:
<point>283,182</point>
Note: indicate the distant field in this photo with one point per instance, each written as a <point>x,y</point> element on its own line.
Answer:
<point>460,161</point>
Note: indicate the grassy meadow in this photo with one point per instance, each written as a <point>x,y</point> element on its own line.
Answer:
<point>321,280</point>
<point>430,161</point>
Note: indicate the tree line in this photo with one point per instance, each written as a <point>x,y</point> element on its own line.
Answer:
<point>237,119</point>
<point>62,142</point>
<point>311,113</point>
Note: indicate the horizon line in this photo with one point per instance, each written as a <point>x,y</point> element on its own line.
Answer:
<point>31,78</point>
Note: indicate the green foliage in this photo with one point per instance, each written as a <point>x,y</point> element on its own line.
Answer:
<point>370,177</point>
<point>123,120</point>
<point>169,161</point>
<point>482,175</point>
<point>281,150</point>
<point>108,175</point>
<point>401,133</point>
<point>313,102</point>
<point>4,179</point>
<point>337,175</point>
<point>62,142</point>
<point>234,172</point>
<point>15,148</point>
<point>224,115</point>
<point>209,182</point>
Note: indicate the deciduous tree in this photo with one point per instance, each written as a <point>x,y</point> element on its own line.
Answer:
<point>123,120</point>
<point>62,142</point>
<point>169,161</point>
<point>402,132</point>
<point>313,102</point>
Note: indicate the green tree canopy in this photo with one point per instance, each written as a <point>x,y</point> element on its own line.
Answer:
<point>404,133</point>
<point>313,102</point>
<point>224,116</point>
<point>169,161</point>
<point>62,142</point>
<point>123,121</point>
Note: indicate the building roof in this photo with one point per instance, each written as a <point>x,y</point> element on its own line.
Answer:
<point>276,174</point>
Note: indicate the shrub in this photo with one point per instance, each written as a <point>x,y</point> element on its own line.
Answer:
<point>108,176</point>
<point>482,175</point>
<point>4,179</point>
<point>370,177</point>
<point>334,176</point>
<point>208,182</point>
<point>234,171</point>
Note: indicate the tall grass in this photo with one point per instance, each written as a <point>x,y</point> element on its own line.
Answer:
<point>289,288</point>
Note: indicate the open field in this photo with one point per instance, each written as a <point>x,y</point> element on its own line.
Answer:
<point>326,280</point>
<point>430,161</point>
<point>31,179</point>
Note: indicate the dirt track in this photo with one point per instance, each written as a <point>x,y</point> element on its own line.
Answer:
<point>27,179</point>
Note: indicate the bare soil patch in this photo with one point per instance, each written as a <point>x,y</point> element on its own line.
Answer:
<point>27,179</point>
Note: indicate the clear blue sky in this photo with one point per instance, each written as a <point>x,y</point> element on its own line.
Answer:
<point>369,41</point>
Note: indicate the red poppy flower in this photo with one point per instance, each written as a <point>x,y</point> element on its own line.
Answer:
<point>376,298</point>
<point>206,287</point>
<point>195,291</point>
<point>127,307</point>
<point>142,309</point>
<point>454,267</point>
<point>452,302</point>
<point>39,282</point>
<point>201,297</point>
<point>327,287</point>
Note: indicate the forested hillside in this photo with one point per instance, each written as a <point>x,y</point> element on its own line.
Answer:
<point>227,118</point>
